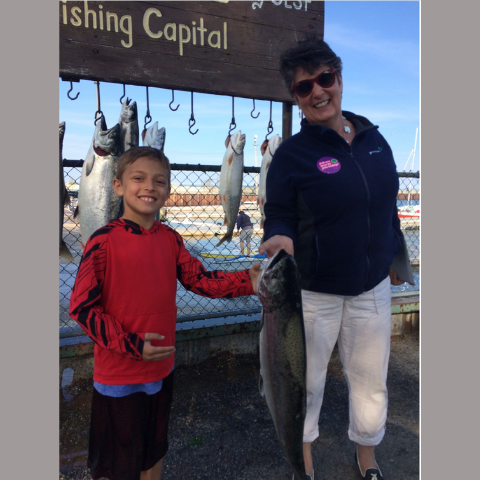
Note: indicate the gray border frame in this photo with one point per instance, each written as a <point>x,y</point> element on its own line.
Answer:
<point>449,327</point>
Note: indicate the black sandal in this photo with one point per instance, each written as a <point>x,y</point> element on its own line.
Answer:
<point>370,473</point>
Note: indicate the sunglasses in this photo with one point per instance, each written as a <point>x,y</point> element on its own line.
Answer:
<point>304,88</point>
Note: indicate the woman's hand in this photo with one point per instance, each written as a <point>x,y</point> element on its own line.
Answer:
<point>275,244</point>
<point>396,280</point>
<point>155,354</point>
<point>254,273</point>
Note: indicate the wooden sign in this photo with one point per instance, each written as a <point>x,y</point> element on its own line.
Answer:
<point>218,47</point>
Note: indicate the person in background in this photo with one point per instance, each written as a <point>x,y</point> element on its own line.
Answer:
<point>331,202</point>
<point>124,299</point>
<point>245,226</point>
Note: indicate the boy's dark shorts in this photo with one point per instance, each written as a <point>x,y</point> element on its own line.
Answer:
<point>128,434</point>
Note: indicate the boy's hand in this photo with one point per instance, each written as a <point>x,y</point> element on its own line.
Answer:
<point>254,272</point>
<point>155,354</point>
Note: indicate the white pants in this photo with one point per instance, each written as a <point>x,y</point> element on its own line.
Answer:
<point>362,325</point>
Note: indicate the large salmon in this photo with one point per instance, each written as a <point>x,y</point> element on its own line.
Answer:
<point>282,355</point>
<point>64,199</point>
<point>268,149</point>
<point>97,201</point>
<point>153,137</point>
<point>231,179</point>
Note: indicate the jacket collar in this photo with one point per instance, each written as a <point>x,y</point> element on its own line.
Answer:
<point>137,229</point>
<point>361,124</point>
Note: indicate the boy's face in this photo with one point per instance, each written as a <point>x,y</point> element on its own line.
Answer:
<point>144,188</point>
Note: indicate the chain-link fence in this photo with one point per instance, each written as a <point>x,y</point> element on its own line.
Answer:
<point>194,211</point>
<point>408,204</point>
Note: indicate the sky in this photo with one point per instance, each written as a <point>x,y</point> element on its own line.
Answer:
<point>379,44</point>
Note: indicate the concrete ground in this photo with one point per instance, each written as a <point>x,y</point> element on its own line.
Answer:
<point>221,428</point>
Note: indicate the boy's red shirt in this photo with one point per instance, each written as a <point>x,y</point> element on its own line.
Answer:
<point>126,286</point>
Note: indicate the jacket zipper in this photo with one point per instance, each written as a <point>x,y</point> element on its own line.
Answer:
<point>348,149</point>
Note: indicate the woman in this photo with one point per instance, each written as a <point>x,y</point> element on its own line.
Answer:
<point>331,202</point>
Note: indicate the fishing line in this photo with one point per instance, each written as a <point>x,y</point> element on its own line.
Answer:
<point>147,116</point>
<point>123,96</point>
<point>270,124</point>
<point>99,110</point>
<point>233,125</point>
<point>192,119</point>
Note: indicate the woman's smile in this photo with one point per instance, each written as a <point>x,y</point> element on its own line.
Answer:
<point>322,106</point>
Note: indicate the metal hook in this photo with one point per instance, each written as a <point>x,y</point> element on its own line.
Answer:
<point>147,116</point>
<point>233,125</point>
<point>170,104</point>
<point>270,124</point>
<point>68,93</point>
<point>192,122</point>
<point>100,115</point>
<point>251,113</point>
<point>122,97</point>
<point>99,110</point>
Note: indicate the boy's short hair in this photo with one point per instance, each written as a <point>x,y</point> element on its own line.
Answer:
<point>133,154</point>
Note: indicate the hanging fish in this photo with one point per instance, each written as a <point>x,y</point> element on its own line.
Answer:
<point>63,200</point>
<point>97,201</point>
<point>129,131</point>
<point>268,149</point>
<point>231,178</point>
<point>153,137</point>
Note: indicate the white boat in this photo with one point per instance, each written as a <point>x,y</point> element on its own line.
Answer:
<point>409,211</point>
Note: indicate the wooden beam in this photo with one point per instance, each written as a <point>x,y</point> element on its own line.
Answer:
<point>224,48</point>
<point>286,120</point>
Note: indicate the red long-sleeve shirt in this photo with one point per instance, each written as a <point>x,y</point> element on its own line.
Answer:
<point>126,286</point>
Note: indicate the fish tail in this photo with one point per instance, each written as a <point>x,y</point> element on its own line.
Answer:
<point>226,238</point>
<point>65,252</point>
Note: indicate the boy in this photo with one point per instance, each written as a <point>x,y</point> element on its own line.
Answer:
<point>124,299</point>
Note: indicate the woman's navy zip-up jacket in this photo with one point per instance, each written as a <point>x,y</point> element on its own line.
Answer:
<point>338,204</point>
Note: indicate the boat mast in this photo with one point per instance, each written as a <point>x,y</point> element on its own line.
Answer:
<point>411,169</point>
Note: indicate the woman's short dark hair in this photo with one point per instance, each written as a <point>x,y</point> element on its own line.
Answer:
<point>308,54</point>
